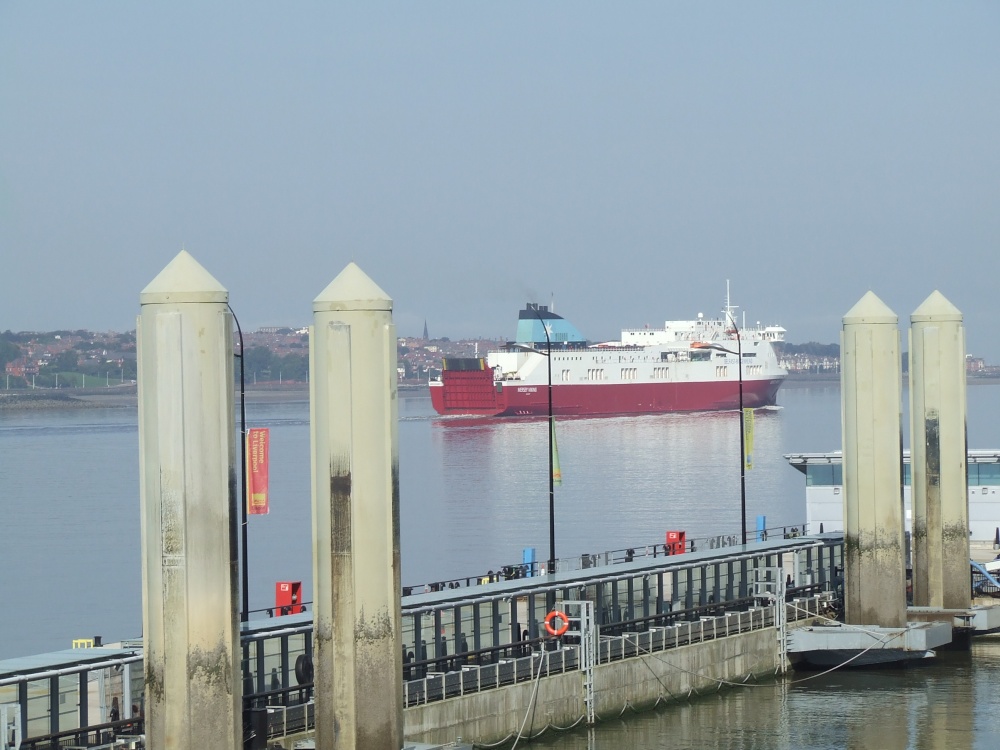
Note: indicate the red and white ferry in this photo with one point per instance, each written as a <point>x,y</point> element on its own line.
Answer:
<point>688,365</point>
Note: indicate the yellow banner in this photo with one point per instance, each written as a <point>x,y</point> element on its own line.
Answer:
<point>748,438</point>
<point>556,471</point>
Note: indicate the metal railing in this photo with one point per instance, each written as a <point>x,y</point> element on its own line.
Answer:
<point>675,594</point>
<point>474,678</point>
<point>514,571</point>
<point>112,734</point>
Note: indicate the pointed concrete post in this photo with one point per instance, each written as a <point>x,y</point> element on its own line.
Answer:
<point>938,456</point>
<point>874,550</point>
<point>188,499</point>
<point>355,458</point>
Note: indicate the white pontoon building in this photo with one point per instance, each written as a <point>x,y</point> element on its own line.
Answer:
<point>825,500</point>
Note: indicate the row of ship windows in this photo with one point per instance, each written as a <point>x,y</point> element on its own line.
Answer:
<point>659,373</point>
<point>668,355</point>
<point>627,373</point>
<point>722,371</point>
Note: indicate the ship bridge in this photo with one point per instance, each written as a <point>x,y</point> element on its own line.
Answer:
<point>535,321</point>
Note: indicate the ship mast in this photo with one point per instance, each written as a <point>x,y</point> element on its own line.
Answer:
<point>730,318</point>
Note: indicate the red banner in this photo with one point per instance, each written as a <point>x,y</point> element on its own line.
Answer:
<point>257,447</point>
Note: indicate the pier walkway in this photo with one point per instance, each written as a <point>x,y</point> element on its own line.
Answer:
<point>456,641</point>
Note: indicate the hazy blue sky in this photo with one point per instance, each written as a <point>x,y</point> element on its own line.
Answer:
<point>626,158</point>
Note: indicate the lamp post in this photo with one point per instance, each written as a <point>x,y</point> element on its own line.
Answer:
<point>552,427</point>
<point>244,568</point>
<point>743,464</point>
<point>551,566</point>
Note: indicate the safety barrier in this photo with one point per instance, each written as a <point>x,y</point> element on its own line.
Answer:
<point>438,686</point>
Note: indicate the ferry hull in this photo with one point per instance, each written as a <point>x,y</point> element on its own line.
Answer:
<point>476,394</point>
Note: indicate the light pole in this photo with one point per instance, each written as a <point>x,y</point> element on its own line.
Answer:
<point>743,447</point>
<point>552,434</point>
<point>551,567</point>
<point>245,567</point>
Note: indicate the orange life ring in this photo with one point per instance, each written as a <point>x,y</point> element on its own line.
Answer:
<point>552,616</point>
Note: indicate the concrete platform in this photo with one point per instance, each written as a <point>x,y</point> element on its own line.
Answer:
<point>978,619</point>
<point>865,645</point>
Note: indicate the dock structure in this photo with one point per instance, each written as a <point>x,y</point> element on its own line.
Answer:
<point>356,563</point>
<point>874,545</point>
<point>825,495</point>
<point>479,654</point>
<point>938,456</point>
<point>188,501</point>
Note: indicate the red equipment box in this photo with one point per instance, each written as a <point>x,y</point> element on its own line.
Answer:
<point>287,598</point>
<point>676,542</point>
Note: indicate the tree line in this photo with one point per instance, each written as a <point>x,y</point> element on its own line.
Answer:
<point>811,348</point>
<point>260,364</point>
<point>71,368</point>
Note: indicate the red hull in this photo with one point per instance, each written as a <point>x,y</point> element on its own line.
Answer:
<point>474,393</point>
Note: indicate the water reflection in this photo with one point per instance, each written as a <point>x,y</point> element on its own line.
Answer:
<point>625,480</point>
<point>943,703</point>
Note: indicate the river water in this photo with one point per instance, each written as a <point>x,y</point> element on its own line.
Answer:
<point>473,493</point>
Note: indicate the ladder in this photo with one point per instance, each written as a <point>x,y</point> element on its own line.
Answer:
<point>768,590</point>
<point>581,624</point>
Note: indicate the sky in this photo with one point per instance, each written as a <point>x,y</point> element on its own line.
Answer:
<point>622,160</point>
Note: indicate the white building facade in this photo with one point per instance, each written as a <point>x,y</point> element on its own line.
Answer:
<point>825,498</point>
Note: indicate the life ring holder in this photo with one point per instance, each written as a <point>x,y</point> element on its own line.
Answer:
<point>556,631</point>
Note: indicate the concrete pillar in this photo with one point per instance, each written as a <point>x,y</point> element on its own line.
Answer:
<point>188,500</point>
<point>355,461</point>
<point>874,550</point>
<point>938,456</point>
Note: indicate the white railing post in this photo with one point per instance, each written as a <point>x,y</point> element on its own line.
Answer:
<point>10,726</point>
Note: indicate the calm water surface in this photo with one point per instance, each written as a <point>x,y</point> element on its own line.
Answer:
<point>947,704</point>
<point>473,494</point>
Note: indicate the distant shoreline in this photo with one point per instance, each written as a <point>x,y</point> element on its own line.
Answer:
<point>126,397</point>
<point>807,381</point>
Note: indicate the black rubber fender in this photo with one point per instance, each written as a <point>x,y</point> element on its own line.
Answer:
<point>303,669</point>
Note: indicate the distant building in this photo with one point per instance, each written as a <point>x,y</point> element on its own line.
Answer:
<point>426,337</point>
<point>21,367</point>
<point>974,364</point>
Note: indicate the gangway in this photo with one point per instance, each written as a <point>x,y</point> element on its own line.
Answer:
<point>978,619</point>
<point>984,581</point>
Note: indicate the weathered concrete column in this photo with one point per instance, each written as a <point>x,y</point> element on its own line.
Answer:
<point>938,456</point>
<point>355,459</point>
<point>188,498</point>
<point>871,391</point>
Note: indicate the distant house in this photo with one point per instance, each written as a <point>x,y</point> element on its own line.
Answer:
<point>21,367</point>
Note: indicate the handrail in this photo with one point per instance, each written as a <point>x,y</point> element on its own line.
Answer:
<point>435,686</point>
<point>124,727</point>
<point>978,588</point>
<point>513,571</point>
